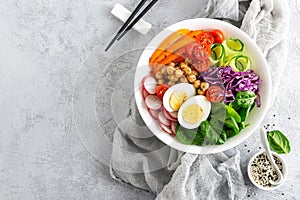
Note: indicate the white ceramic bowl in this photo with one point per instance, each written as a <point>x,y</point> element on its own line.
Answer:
<point>284,172</point>
<point>260,67</point>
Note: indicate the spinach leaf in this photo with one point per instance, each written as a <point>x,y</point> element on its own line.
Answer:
<point>212,132</point>
<point>243,104</point>
<point>182,137</point>
<point>222,138</point>
<point>189,136</point>
<point>199,139</point>
<point>232,113</point>
<point>230,133</point>
<point>232,124</point>
<point>244,112</point>
<point>244,99</point>
<point>218,111</point>
<point>278,142</point>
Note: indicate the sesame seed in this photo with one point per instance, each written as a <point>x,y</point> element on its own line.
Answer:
<point>262,171</point>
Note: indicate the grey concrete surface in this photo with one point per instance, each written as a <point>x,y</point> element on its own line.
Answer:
<point>43,44</point>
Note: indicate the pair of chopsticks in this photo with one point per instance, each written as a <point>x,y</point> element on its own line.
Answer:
<point>127,25</point>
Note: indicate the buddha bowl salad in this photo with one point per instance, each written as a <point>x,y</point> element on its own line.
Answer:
<point>201,88</point>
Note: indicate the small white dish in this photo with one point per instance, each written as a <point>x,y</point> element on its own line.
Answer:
<point>273,187</point>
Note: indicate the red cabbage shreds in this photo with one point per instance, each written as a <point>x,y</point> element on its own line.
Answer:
<point>235,82</point>
<point>211,76</point>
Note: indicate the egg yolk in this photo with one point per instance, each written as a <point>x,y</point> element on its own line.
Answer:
<point>192,113</point>
<point>176,100</point>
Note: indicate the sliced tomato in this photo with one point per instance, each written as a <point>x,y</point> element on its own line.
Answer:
<point>215,94</point>
<point>218,36</point>
<point>205,38</point>
<point>189,49</point>
<point>201,52</point>
<point>202,65</point>
<point>160,90</point>
<point>197,51</point>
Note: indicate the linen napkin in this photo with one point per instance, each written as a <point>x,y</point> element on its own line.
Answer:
<point>142,160</point>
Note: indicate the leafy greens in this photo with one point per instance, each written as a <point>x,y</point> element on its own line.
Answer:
<point>278,142</point>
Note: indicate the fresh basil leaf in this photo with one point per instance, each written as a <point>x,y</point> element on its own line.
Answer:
<point>278,142</point>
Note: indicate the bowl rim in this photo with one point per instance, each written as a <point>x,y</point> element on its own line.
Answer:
<point>284,171</point>
<point>194,149</point>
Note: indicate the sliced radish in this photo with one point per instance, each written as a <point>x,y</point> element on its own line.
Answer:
<point>173,115</point>
<point>144,93</point>
<point>167,115</point>
<point>162,119</point>
<point>166,129</point>
<point>153,102</point>
<point>154,113</point>
<point>173,126</point>
<point>149,84</point>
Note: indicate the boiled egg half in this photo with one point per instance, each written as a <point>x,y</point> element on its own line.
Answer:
<point>176,95</point>
<point>194,111</point>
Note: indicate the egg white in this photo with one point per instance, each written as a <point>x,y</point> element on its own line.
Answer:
<point>177,89</point>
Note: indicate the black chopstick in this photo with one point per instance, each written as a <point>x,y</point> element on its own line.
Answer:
<point>139,6</point>
<point>123,29</point>
<point>150,5</point>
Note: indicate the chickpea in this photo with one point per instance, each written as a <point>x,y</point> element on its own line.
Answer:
<point>204,86</point>
<point>172,64</point>
<point>183,66</point>
<point>160,81</point>
<point>163,70</point>
<point>187,71</point>
<point>200,92</point>
<point>178,73</point>
<point>183,79</point>
<point>196,84</point>
<point>170,83</point>
<point>170,70</point>
<point>158,75</point>
<point>195,72</point>
<point>188,61</point>
<point>191,78</point>
<point>173,78</point>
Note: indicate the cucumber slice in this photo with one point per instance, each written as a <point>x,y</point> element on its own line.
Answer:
<point>233,46</point>
<point>217,54</point>
<point>239,63</point>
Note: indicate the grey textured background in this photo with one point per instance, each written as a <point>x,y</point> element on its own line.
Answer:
<point>43,44</point>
